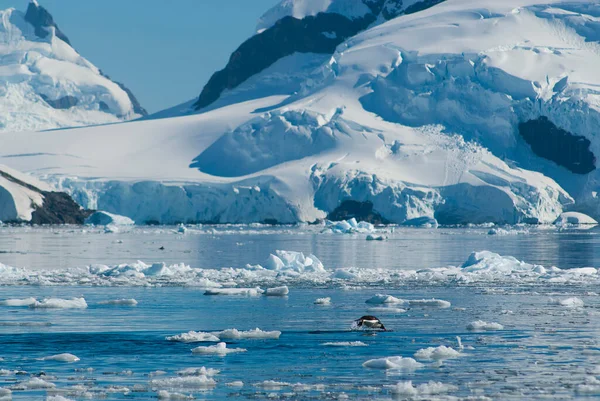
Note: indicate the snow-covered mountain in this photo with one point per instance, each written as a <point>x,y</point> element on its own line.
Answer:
<point>45,83</point>
<point>468,111</point>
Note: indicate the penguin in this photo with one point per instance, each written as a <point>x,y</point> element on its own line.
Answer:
<point>369,322</point>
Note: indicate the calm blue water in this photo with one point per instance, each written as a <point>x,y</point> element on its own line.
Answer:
<point>544,351</point>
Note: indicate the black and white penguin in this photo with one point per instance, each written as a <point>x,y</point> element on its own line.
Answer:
<point>369,322</point>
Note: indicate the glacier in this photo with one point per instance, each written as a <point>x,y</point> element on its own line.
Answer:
<point>423,117</point>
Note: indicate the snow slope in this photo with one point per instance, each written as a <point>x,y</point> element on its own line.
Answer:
<point>418,115</point>
<point>45,83</point>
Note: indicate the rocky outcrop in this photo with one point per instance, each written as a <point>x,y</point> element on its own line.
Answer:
<point>63,103</point>
<point>320,33</point>
<point>56,208</point>
<point>42,21</point>
<point>562,147</point>
<point>137,107</point>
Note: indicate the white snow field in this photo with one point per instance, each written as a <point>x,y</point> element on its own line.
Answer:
<point>46,84</point>
<point>418,115</point>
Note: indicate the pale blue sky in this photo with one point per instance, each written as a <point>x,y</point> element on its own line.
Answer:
<point>163,50</point>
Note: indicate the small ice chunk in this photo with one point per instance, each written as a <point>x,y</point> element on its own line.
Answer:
<point>345,344</point>
<point>194,337</point>
<point>572,302</point>
<point>323,301</point>
<point>5,394</point>
<point>384,299</point>
<point>181,229</point>
<point>439,303</point>
<point>480,325</point>
<point>437,354</point>
<point>61,358</point>
<point>218,349</point>
<point>200,381</point>
<point>385,309</point>
<point>165,395</point>
<point>34,384</point>
<point>250,292</point>
<point>203,371</point>
<point>18,302</point>
<point>272,385</point>
<point>237,383</point>
<point>58,303</point>
<point>235,334</point>
<point>432,388</point>
<point>372,237</point>
<point>277,291</point>
<point>120,302</point>
<point>57,398</point>
<point>393,363</point>
<point>574,218</point>
<point>105,219</point>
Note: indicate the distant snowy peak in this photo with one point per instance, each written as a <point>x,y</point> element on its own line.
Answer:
<point>302,26</point>
<point>46,84</point>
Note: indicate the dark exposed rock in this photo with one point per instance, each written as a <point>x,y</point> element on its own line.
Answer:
<point>562,147</point>
<point>290,35</point>
<point>287,36</point>
<point>58,207</point>
<point>361,211</point>
<point>63,103</point>
<point>42,20</point>
<point>137,107</point>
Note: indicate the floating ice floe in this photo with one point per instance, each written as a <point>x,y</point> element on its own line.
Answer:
<point>165,395</point>
<point>18,302</point>
<point>385,309</point>
<point>106,219</point>
<point>237,383</point>
<point>229,334</point>
<point>120,302</point>
<point>57,398</point>
<point>323,301</point>
<point>69,358</point>
<point>432,388</point>
<point>5,394</point>
<point>184,382</point>
<point>480,325</point>
<point>393,363</point>
<point>349,227</point>
<point>277,291</point>
<point>437,354</point>
<point>288,261</point>
<point>372,237</point>
<point>572,302</point>
<point>381,299</point>
<point>251,292</point>
<point>574,219</point>
<point>503,232</point>
<point>481,268</point>
<point>58,303</point>
<point>218,349</point>
<point>34,383</point>
<point>345,344</point>
<point>438,303</point>
<point>250,334</point>
<point>203,371</point>
<point>194,337</point>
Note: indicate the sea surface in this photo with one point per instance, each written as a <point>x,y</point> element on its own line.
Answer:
<point>540,349</point>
